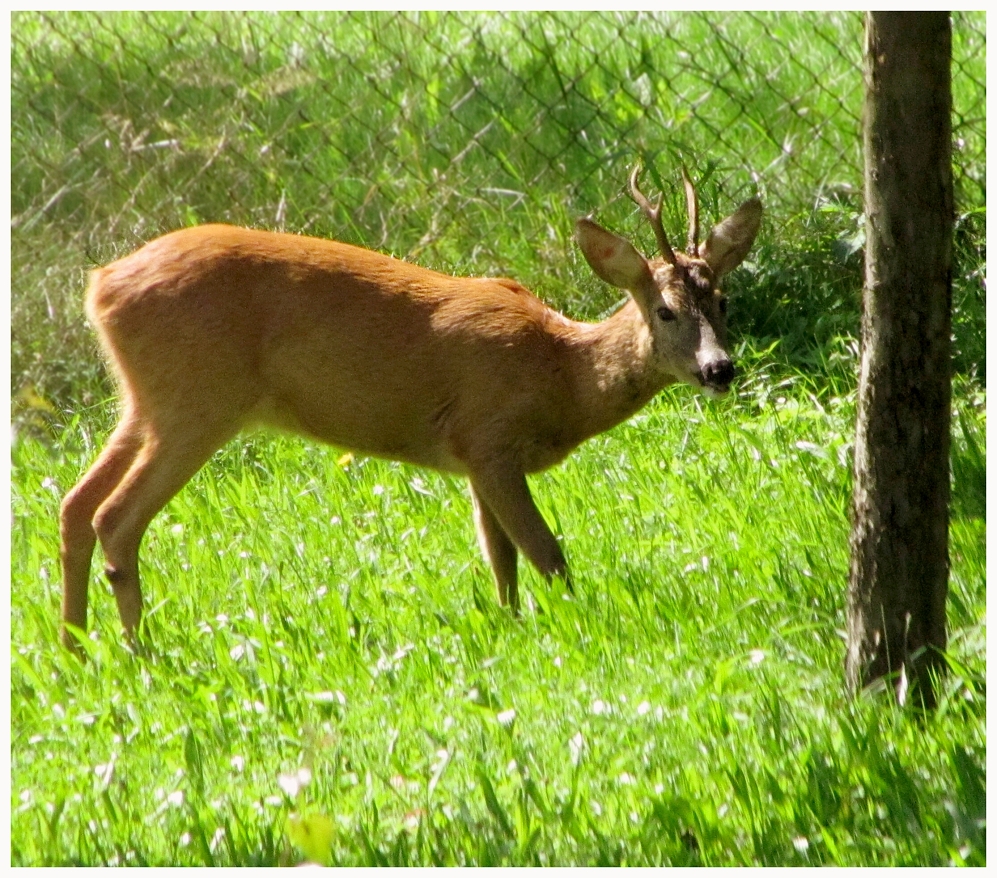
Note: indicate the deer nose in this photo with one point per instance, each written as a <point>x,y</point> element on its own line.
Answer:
<point>718,372</point>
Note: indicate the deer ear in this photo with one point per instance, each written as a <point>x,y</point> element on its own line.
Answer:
<point>613,258</point>
<point>730,240</point>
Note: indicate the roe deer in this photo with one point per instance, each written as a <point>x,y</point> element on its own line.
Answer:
<point>212,329</point>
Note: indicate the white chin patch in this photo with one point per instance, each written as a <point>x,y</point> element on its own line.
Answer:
<point>714,392</point>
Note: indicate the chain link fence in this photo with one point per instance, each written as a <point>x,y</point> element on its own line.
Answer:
<point>467,141</point>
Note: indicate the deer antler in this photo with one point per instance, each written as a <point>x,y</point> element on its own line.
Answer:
<point>692,203</point>
<point>653,215</point>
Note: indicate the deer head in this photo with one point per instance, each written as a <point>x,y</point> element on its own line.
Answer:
<point>678,294</point>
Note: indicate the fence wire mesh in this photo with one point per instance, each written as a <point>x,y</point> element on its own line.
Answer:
<point>425,133</point>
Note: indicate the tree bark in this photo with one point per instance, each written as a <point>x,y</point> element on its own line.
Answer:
<point>898,578</point>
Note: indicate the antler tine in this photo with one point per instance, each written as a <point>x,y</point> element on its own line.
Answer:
<point>692,204</point>
<point>653,215</point>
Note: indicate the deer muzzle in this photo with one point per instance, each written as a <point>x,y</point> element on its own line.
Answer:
<point>717,375</point>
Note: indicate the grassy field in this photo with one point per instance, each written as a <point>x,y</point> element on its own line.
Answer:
<point>329,660</point>
<point>686,707</point>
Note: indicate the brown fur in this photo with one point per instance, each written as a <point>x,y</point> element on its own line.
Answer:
<point>214,329</point>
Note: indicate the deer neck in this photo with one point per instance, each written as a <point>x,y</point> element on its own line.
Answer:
<point>617,371</point>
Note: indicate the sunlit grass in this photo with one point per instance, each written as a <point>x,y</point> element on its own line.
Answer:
<point>309,612</point>
<point>325,638</point>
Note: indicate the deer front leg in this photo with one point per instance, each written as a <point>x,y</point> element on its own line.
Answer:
<point>499,551</point>
<point>507,496</point>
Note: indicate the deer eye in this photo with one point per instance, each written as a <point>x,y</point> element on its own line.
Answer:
<point>666,313</point>
<point>723,304</point>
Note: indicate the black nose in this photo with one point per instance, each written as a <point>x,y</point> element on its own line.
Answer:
<point>719,372</point>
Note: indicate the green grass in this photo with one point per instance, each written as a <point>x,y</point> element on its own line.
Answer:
<point>687,706</point>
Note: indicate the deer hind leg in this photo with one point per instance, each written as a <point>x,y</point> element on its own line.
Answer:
<point>79,506</point>
<point>507,496</point>
<point>167,460</point>
<point>499,551</point>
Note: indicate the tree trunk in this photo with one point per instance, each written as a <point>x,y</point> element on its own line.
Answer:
<point>898,578</point>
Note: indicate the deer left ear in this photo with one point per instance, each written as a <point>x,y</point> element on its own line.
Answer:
<point>730,240</point>
<point>613,258</point>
